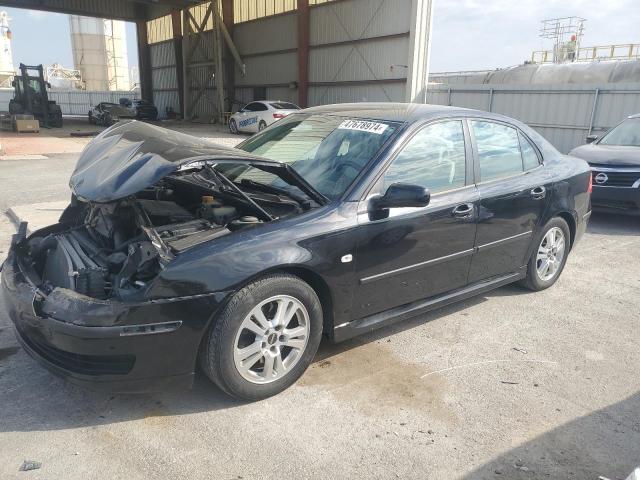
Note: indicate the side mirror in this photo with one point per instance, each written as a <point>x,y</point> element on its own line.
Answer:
<point>591,138</point>
<point>401,195</point>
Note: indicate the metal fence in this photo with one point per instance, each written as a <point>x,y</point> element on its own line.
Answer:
<point>563,114</point>
<point>79,102</point>
<point>73,102</point>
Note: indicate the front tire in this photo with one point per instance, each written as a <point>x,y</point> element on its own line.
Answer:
<point>264,338</point>
<point>549,256</point>
<point>233,127</point>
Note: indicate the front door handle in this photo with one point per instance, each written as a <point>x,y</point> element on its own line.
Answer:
<point>539,193</point>
<point>463,211</point>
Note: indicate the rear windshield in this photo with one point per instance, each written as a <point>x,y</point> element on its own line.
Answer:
<point>626,134</point>
<point>284,106</point>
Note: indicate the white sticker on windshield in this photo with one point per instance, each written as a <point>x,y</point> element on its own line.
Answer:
<point>363,126</point>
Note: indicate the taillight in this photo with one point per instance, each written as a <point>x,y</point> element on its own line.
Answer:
<point>279,115</point>
<point>590,187</point>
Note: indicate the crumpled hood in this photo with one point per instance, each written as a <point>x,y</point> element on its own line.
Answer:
<point>608,154</point>
<point>132,156</point>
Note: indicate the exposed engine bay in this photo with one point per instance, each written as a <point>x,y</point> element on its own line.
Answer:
<point>113,250</point>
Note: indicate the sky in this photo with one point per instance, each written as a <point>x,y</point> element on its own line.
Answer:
<point>467,34</point>
<point>43,38</point>
<point>488,34</point>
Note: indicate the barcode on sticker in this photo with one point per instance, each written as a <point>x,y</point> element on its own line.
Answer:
<point>363,126</point>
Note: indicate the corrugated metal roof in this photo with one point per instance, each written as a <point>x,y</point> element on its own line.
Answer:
<point>115,9</point>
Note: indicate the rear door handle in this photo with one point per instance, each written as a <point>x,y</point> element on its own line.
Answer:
<point>539,193</point>
<point>463,211</point>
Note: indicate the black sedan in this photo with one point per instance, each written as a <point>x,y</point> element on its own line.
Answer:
<point>615,161</point>
<point>145,110</point>
<point>336,220</point>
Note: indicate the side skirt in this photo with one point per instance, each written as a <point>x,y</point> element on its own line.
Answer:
<point>404,312</point>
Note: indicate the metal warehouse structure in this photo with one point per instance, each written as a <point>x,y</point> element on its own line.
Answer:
<point>565,103</point>
<point>198,58</point>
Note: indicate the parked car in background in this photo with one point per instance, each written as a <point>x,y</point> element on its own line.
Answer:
<point>614,159</point>
<point>256,116</point>
<point>145,110</point>
<point>106,113</point>
<point>338,220</point>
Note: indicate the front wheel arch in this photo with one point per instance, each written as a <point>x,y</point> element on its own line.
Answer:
<point>313,279</point>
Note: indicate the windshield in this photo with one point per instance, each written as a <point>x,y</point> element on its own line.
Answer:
<point>327,151</point>
<point>625,134</point>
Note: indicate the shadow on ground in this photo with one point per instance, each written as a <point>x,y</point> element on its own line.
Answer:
<point>603,443</point>
<point>614,225</point>
<point>34,399</point>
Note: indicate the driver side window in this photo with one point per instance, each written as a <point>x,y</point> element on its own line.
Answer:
<point>434,158</point>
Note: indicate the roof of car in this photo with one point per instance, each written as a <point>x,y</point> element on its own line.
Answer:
<point>395,112</point>
<point>636,115</point>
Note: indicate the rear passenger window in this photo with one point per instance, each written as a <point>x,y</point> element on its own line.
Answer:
<point>529,156</point>
<point>434,158</point>
<point>498,150</point>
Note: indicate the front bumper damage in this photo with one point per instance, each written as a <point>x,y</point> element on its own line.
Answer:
<point>106,344</point>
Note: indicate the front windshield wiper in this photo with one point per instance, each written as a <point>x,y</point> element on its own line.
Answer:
<point>302,201</point>
<point>263,213</point>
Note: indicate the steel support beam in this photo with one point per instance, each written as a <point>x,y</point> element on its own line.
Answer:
<point>144,61</point>
<point>419,50</point>
<point>229,70</point>
<point>176,23</point>
<point>186,78</point>
<point>303,52</point>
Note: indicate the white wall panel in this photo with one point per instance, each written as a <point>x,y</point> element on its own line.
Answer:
<point>389,92</point>
<point>374,59</point>
<point>269,69</point>
<point>266,35</point>
<point>282,93</point>
<point>357,19</point>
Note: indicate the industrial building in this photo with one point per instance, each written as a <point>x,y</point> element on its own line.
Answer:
<point>100,52</point>
<point>200,58</point>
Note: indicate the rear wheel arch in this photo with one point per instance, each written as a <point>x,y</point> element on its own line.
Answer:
<point>571,222</point>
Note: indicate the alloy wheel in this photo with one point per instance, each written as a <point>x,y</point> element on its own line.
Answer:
<point>271,339</point>
<point>550,254</point>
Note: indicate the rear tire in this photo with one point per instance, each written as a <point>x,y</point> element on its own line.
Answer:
<point>551,249</point>
<point>248,352</point>
<point>262,125</point>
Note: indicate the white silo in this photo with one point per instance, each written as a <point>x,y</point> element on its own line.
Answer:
<point>100,52</point>
<point>6,60</point>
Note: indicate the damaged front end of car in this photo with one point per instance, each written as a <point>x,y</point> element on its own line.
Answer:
<point>82,294</point>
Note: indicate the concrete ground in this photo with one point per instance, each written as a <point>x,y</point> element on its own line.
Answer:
<point>76,133</point>
<point>511,384</point>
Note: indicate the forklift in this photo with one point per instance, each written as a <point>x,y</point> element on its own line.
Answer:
<point>30,97</point>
